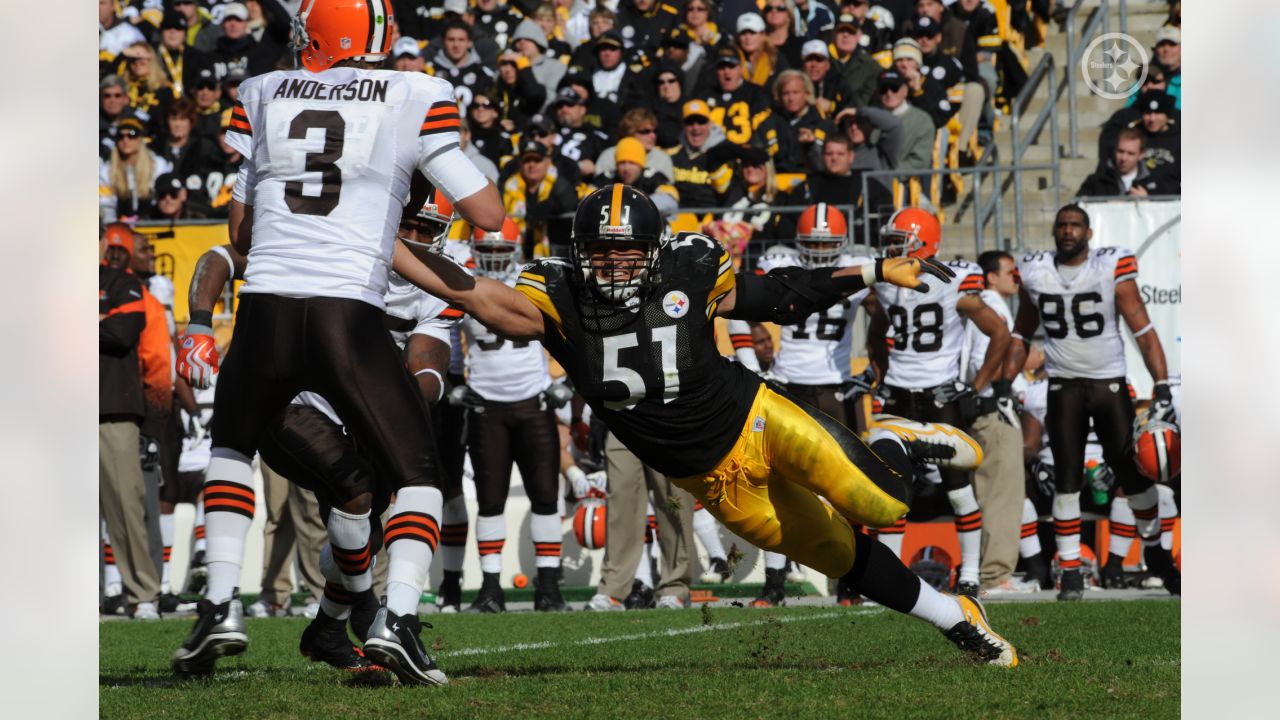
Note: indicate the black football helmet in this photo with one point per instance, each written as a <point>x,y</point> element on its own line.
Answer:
<point>623,215</point>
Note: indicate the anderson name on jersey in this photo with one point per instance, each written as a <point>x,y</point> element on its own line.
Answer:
<point>926,330</point>
<point>819,350</point>
<point>328,159</point>
<point>652,371</point>
<point>1077,307</point>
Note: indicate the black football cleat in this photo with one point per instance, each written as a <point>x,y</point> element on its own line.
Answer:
<point>546,593</point>
<point>219,631</point>
<point>490,599</point>
<point>394,644</point>
<point>717,571</point>
<point>449,596</point>
<point>1038,570</point>
<point>1113,573</point>
<point>1160,562</point>
<point>198,575</point>
<point>1071,586</point>
<point>967,588</point>
<point>113,605</point>
<point>364,606</point>
<point>774,593</point>
<point>169,603</point>
<point>325,640</point>
<point>641,597</point>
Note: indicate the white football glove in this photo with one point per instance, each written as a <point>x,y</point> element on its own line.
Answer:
<point>599,481</point>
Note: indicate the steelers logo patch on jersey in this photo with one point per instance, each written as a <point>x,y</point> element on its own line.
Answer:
<point>675,304</point>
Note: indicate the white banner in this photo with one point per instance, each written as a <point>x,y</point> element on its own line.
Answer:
<point>1152,229</point>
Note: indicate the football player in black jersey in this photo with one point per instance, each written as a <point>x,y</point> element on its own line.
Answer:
<point>630,318</point>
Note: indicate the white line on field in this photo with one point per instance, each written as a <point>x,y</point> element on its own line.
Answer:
<point>670,632</point>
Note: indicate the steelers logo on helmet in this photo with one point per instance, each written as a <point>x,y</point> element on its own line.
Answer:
<point>911,232</point>
<point>497,254</point>
<point>616,234</point>
<point>822,234</point>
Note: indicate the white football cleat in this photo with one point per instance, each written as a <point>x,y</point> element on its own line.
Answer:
<point>603,603</point>
<point>670,602</point>
<point>930,441</point>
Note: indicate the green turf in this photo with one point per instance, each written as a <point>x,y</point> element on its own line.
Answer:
<point>1099,659</point>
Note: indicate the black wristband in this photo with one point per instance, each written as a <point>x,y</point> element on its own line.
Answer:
<point>1002,388</point>
<point>201,317</point>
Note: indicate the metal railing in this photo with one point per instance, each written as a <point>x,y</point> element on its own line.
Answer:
<point>1022,142</point>
<point>1097,23</point>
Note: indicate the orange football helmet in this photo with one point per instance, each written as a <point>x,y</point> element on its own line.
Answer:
<point>911,232</point>
<point>499,253</point>
<point>1157,450</point>
<point>589,524</point>
<point>430,224</point>
<point>821,235</point>
<point>328,31</point>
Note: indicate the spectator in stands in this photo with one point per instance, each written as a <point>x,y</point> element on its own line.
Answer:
<point>699,22</point>
<point>755,192</point>
<point>644,22</point>
<point>679,50</point>
<point>1169,55</point>
<point>458,62</point>
<point>578,142</point>
<point>482,163</point>
<point>602,114</point>
<point>488,37</point>
<point>121,489</point>
<point>148,88</point>
<point>798,119</point>
<point>557,49</point>
<point>187,152</point>
<point>839,183</point>
<point>610,72</point>
<point>642,125</point>
<point>1131,114</point>
<point>126,181</point>
<point>181,64</point>
<point>853,63</point>
<point>238,49</point>
<point>745,105</point>
<point>815,17</point>
<point>601,20</point>
<point>488,135</point>
<point>779,21</point>
<point>945,72</point>
<point>406,56</point>
<point>113,106</point>
<point>925,93</point>
<point>536,199</point>
<point>171,200</point>
<point>956,42</point>
<point>878,32</point>
<point>876,137</point>
<point>1162,134</point>
<point>208,101</point>
<point>542,129</point>
<point>531,44</point>
<point>668,104</point>
<point>631,159</point>
<point>114,33</point>
<point>761,60</point>
<point>828,84</point>
<point>918,131</point>
<point>521,94</point>
<point>1125,173</point>
<point>697,178</point>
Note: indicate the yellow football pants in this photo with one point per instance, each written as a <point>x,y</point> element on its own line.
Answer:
<point>770,489</point>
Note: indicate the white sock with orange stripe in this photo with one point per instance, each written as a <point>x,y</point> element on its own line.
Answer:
<point>198,545</point>
<point>1029,545</point>
<point>1168,516</point>
<point>229,502</point>
<point>969,528</point>
<point>349,540</point>
<point>1146,514</point>
<point>546,534</point>
<point>1123,530</point>
<point>704,526</point>
<point>1066,529</point>
<point>336,601</point>
<point>413,531</point>
<point>453,534</point>
<point>166,539</point>
<point>491,535</point>
<point>112,584</point>
<point>892,536</point>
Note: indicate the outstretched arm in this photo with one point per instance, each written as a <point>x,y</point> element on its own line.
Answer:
<point>503,310</point>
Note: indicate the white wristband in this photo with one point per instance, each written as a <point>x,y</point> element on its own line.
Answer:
<point>1144,331</point>
<point>869,274</point>
<point>231,266</point>
<point>574,473</point>
<point>439,381</point>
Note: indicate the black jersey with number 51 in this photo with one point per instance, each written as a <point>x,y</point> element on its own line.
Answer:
<point>651,370</point>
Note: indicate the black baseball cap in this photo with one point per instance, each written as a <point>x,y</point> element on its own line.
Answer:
<point>206,78</point>
<point>173,20</point>
<point>168,184</point>
<point>609,37</point>
<point>568,96</point>
<point>677,37</point>
<point>1156,101</point>
<point>925,26</point>
<point>532,147</point>
<point>892,78</point>
<point>728,55</point>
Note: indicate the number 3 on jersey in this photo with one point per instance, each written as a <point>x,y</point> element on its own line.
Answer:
<point>614,371</point>
<point>323,162</point>
<point>317,151</point>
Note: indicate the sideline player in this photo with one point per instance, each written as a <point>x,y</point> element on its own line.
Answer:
<point>630,317</point>
<point>922,378</point>
<point>308,444</point>
<point>1079,293</point>
<point>328,151</point>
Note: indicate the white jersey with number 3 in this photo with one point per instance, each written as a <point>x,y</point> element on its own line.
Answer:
<point>328,159</point>
<point>927,331</point>
<point>817,351</point>
<point>1078,311</point>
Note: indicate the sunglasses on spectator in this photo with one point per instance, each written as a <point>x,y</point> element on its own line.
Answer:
<point>482,104</point>
<point>668,81</point>
<point>775,8</point>
<point>539,133</point>
<point>646,131</point>
<point>697,121</point>
<point>891,88</point>
<point>696,8</point>
<point>206,86</point>
<point>169,194</point>
<point>112,95</point>
<point>128,133</point>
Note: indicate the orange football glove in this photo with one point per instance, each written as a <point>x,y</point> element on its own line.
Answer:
<point>198,356</point>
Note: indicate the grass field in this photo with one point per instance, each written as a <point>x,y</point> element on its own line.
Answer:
<point>1101,659</point>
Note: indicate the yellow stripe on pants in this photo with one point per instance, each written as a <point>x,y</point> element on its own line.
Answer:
<point>788,487</point>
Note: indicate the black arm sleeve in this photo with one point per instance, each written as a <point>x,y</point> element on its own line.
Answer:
<point>787,296</point>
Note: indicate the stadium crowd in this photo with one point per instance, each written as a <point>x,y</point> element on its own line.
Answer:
<point>747,105</point>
